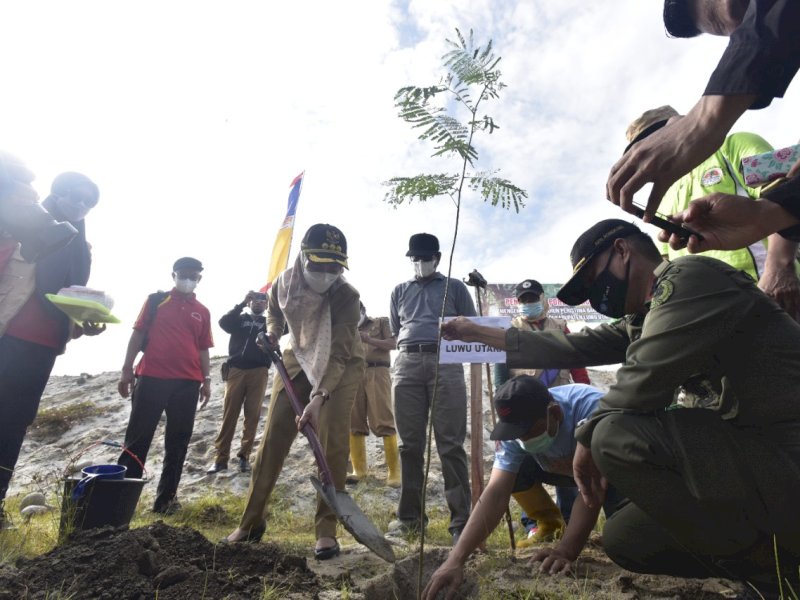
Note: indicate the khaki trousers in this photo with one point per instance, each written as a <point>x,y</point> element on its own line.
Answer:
<point>244,388</point>
<point>372,409</point>
<point>280,432</point>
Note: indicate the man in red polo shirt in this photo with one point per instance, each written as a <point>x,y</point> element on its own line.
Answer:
<point>172,376</point>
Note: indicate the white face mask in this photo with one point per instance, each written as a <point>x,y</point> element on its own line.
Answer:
<point>185,286</point>
<point>424,268</point>
<point>318,281</point>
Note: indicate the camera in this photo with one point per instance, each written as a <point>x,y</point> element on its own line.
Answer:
<point>22,218</point>
<point>475,279</point>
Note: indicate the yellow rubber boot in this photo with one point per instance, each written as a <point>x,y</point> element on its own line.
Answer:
<point>358,458</point>
<point>392,461</point>
<point>538,504</point>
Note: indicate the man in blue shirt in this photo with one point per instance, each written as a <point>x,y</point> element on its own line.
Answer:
<point>415,309</point>
<point>536,444</point>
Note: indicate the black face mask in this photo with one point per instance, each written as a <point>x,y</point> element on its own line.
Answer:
<point>608,292</point>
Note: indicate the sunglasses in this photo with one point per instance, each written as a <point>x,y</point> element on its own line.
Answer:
<point>184,275</point>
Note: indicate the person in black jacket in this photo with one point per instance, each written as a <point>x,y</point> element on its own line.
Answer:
<point>39,332</point>
<point>247,369</point>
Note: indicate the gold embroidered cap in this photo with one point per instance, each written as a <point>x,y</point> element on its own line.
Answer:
<point>324,243</point>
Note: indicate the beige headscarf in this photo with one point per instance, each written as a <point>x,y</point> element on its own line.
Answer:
<point>308,315</point>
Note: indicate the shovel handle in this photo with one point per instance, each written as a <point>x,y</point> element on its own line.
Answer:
<point>326,477</point>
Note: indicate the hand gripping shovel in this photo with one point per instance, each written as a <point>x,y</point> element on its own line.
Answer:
<point>345,508</point>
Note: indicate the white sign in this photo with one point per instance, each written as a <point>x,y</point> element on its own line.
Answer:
<point>456,351</point>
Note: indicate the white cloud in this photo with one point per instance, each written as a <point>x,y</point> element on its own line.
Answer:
<point>194,117</point>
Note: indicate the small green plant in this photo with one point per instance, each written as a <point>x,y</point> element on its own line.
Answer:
<point>471,79</point>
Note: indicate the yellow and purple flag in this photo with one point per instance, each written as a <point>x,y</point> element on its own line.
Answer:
<point>283,241</point>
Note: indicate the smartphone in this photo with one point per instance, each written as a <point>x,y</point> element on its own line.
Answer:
<point>660,221</point>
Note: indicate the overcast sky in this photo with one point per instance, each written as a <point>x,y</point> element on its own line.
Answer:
<point>194,117</point>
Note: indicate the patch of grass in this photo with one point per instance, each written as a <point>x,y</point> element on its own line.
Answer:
<point>57,420</point>
<point>30,537</point>
<point>273,592</point>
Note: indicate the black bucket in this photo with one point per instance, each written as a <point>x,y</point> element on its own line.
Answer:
<point>103,502</point>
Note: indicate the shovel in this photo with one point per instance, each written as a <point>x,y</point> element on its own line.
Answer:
<point>343,506</point>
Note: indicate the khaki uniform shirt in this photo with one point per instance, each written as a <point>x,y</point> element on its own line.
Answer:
<point>346,362</point>
<point>379,329</point>
<point>708,328</point>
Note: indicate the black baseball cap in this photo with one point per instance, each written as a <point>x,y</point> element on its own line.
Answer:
<point>591,243</point>
<point>324,243</point>
<point>519,402</point>
<point>529,286</point>
<point>187,263</point>
<point>678,19</point>
<point>259,296</point>
<point>423,244</point>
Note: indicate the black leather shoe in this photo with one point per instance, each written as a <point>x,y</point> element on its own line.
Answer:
<point>327,553</point>
<point>216,468</point>
<point>244,466</point>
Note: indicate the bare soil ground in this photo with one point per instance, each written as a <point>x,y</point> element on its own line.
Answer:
<point>162,561</point>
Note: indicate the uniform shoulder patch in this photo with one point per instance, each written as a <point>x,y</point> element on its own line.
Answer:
<point>663,292</point>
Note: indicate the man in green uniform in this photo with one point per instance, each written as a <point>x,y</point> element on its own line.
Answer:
<point>770,261</point>
<point>702,429</point>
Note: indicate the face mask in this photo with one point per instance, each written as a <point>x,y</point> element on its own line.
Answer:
<point>541,443</point>
<point>185,286</point>
<point>72,211</point>
<point>608,292</point>
<point>319,281</point>
<point>532,310</point>
<point>424,268</point>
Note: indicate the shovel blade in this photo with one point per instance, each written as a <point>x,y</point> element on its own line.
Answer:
<point>354,521</point>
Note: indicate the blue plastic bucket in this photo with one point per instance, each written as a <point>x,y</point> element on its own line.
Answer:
<point>93,472</point>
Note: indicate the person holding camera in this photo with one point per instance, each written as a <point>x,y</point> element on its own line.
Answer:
<point>245,374</point>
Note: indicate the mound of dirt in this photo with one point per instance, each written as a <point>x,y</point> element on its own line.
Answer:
<point>157,561</point>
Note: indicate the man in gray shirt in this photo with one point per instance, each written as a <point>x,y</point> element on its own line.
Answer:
<point>414,319</point>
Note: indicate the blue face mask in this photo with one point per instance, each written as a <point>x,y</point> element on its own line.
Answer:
<point>541,443</point>
<point>532,310</point>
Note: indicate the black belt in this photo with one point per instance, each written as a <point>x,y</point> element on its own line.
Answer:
<point>378,364</point>
<point>419,348</point>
